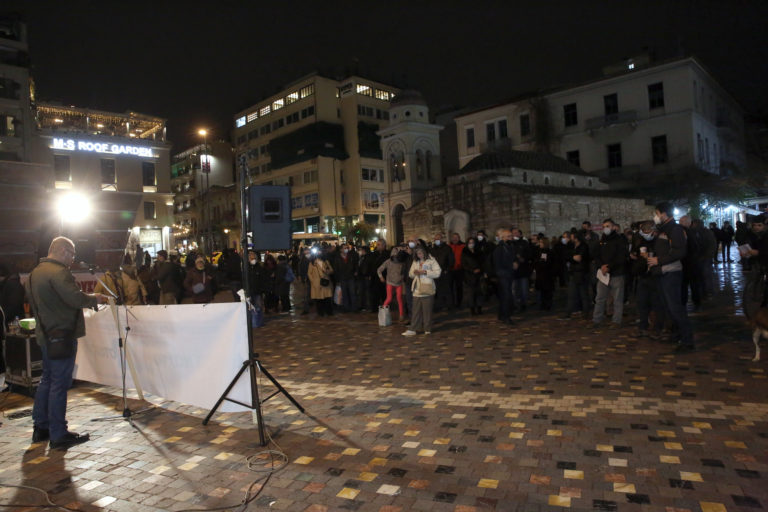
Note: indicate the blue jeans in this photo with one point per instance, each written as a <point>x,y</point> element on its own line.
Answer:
<point>348,295</point>
<point>615,289</point>
<point>670,285</point>
<point>50,409</point>
<point>521,284</point>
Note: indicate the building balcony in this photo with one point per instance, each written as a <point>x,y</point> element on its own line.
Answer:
<point>504,144</point>
<point>624,117</point>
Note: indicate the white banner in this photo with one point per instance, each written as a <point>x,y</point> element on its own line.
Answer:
<point>185,353</point>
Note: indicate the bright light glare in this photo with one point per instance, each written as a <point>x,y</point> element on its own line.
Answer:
<point>74,208</point>
<point>203,132</point>
<point>677,212</point>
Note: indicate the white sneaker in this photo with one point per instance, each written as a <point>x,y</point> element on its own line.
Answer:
<point>409,333</point>
<point>427,332</point>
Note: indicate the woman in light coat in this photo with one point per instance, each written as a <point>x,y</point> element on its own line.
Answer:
<point>424,270</point>
<point>318,270</point>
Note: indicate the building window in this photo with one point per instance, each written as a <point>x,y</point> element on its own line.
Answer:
<point>252,116</point>
<point>546,180</point>
<point>264,111</point>
<point>470,138</point>
<point>240,121</point>
<point>573,157</point>
<point>376,175</point>
<point>278,104</point>
<point>365,90</point>
<point>659,149</point>
<point>490,132</point>
<point>343,200</point>
<point>700,147</point>
<point>371,200</point>
<point>292,98</point>
<point>429,164</point>
<point>309,177</point>
<point>297,202</point>
<point>149,210</point>
<point>149,177</point>
<point>611,104</point>
<point>570,114</point>
<point>525,125</point>
<point>307,91</point>
<point>503,134</point>
<point>310,200</point>
<point>589,182</point>
<point>656,95</point>
<point>525,176</point>
<point>61,168</point>
<point>253,134</point>
<point>383,95</point>
<point>419,165</point>
<point>306,112</point>
<point>614,155</point>
<point>108,177</point>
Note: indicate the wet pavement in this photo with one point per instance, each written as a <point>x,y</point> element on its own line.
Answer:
<point>545,415</point>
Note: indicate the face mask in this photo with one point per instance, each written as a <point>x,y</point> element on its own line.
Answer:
<point>252,262</point>
<point>647,236</point>
<point>564,240</point>
<point>471,246</point>
<point>515,238</point>
<point>412,245</point>
<point>438,242</point>
<point>607,231</point>
<point>361,254</point>
<point>345,251</point>
<point>657,219</point>
<point>498,239</point>
<point>480,238</point>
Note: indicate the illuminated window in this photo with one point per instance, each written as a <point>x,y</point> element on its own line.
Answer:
<point>252,116</point>
<point>278,104</point>
<point>264,111</point>
<point>293,97</point>
<point>149,177</point>
<point>371,200</point>
<point>240,121</point>
<point>365,90</point>
<point>383,95</point>
<point>307,91</point>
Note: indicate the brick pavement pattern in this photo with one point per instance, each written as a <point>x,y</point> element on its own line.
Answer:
<point>545,415</point>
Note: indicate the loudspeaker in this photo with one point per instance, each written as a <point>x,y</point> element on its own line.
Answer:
<point>269,217</point>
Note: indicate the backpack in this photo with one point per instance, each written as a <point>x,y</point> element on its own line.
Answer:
<point>289,275</point>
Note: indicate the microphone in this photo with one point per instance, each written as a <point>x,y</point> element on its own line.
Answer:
<point>90,267</point>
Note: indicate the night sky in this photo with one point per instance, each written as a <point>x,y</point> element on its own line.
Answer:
<point>198,63</point>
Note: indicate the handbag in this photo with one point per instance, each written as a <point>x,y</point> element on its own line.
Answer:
<point>423,287</point>
<point>324,281</point>
<point>385,317</point>
<point>59,343</point>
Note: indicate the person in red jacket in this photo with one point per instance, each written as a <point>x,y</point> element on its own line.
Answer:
<point>457,272</point>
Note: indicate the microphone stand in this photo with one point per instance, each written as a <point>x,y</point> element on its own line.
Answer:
<point>125,359</point>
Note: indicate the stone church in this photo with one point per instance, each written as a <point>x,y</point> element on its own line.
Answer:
<point>536,192</point>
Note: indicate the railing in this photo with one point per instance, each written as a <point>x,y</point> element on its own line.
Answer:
<point>496,145</point>
<point>626,116</point>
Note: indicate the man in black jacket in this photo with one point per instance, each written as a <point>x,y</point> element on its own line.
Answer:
<point>377,291</point>
<point>611,260</point>
<point>443,254</point>
<point>345,271</point>
<point>671,247</point>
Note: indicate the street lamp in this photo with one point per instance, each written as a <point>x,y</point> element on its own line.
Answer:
<point>205,168</point>
<point>73,208</point>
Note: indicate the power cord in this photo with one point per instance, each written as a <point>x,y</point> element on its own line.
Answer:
<point>41,491</point>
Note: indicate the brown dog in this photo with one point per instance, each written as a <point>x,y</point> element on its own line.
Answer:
<point>760,324</point>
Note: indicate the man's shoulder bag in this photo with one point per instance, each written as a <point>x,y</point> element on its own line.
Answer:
<point>59,343</point>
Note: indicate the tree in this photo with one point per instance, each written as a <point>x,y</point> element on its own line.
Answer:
<point>361,233</point>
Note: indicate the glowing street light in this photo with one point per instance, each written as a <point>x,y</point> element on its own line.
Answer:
<point>74,208</point>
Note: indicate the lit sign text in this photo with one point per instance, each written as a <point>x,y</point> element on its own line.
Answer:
<point>101,147</point>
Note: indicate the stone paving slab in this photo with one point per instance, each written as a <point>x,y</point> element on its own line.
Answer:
<point>546,415</point>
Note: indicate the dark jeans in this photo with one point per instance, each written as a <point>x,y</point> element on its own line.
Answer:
<point>521,285</point>
<point>506,298</point>
<point>348,299</point>
<point>649,300</point>
<point>669,286</point>
<point>50,409</point>
<point>691,277</point>
<point>443,292</point>
<point>578,294</point>
<point>377,292</point>
<point>726,249</point>
<point>324,306</point>
<point>361,294</point>
<point>457,287</point>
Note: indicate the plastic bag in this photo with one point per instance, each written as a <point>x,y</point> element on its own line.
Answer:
<point>338,295</point>
<point>385,317</point>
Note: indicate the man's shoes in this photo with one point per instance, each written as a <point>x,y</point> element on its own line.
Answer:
<point>427,332</point>
<point>681,348</point>
<point>640,333</point>
<point>409,333</point>
<point>69,440</point>
<point>40,434</point>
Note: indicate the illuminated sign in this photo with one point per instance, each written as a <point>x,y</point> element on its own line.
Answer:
<point>101,147</point>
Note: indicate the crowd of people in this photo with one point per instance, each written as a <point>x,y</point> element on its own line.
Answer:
<point>657,263</point>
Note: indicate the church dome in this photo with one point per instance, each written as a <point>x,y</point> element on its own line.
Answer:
<point>408,97</point>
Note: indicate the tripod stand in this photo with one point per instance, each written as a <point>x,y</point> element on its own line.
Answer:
<point>253,363</point>
<point>125,360</point>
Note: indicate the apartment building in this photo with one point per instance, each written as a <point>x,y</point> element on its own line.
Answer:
<point>319,135</point>
<point>641,118</point>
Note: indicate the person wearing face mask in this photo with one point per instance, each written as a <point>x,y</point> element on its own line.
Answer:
<point>444,257</point>
<point>611,260</point>
<point>345,266</point>
<point>560,250</point>
<point>756,257</point>
<point>391,273</point>
<point>424,270</point>
<point>577,263</point>
<point>472,263</point>
<point>524,269</point>
<point>671,247</point>
<point>198,284</point>
<point>321,286</point>
<point>361,284</point>
<point>505,263</point>
<point>545,275</point>
<point>647,287</point>
<point>303,269</point>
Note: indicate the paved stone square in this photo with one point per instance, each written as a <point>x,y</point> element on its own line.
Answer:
<point>545,415</point>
